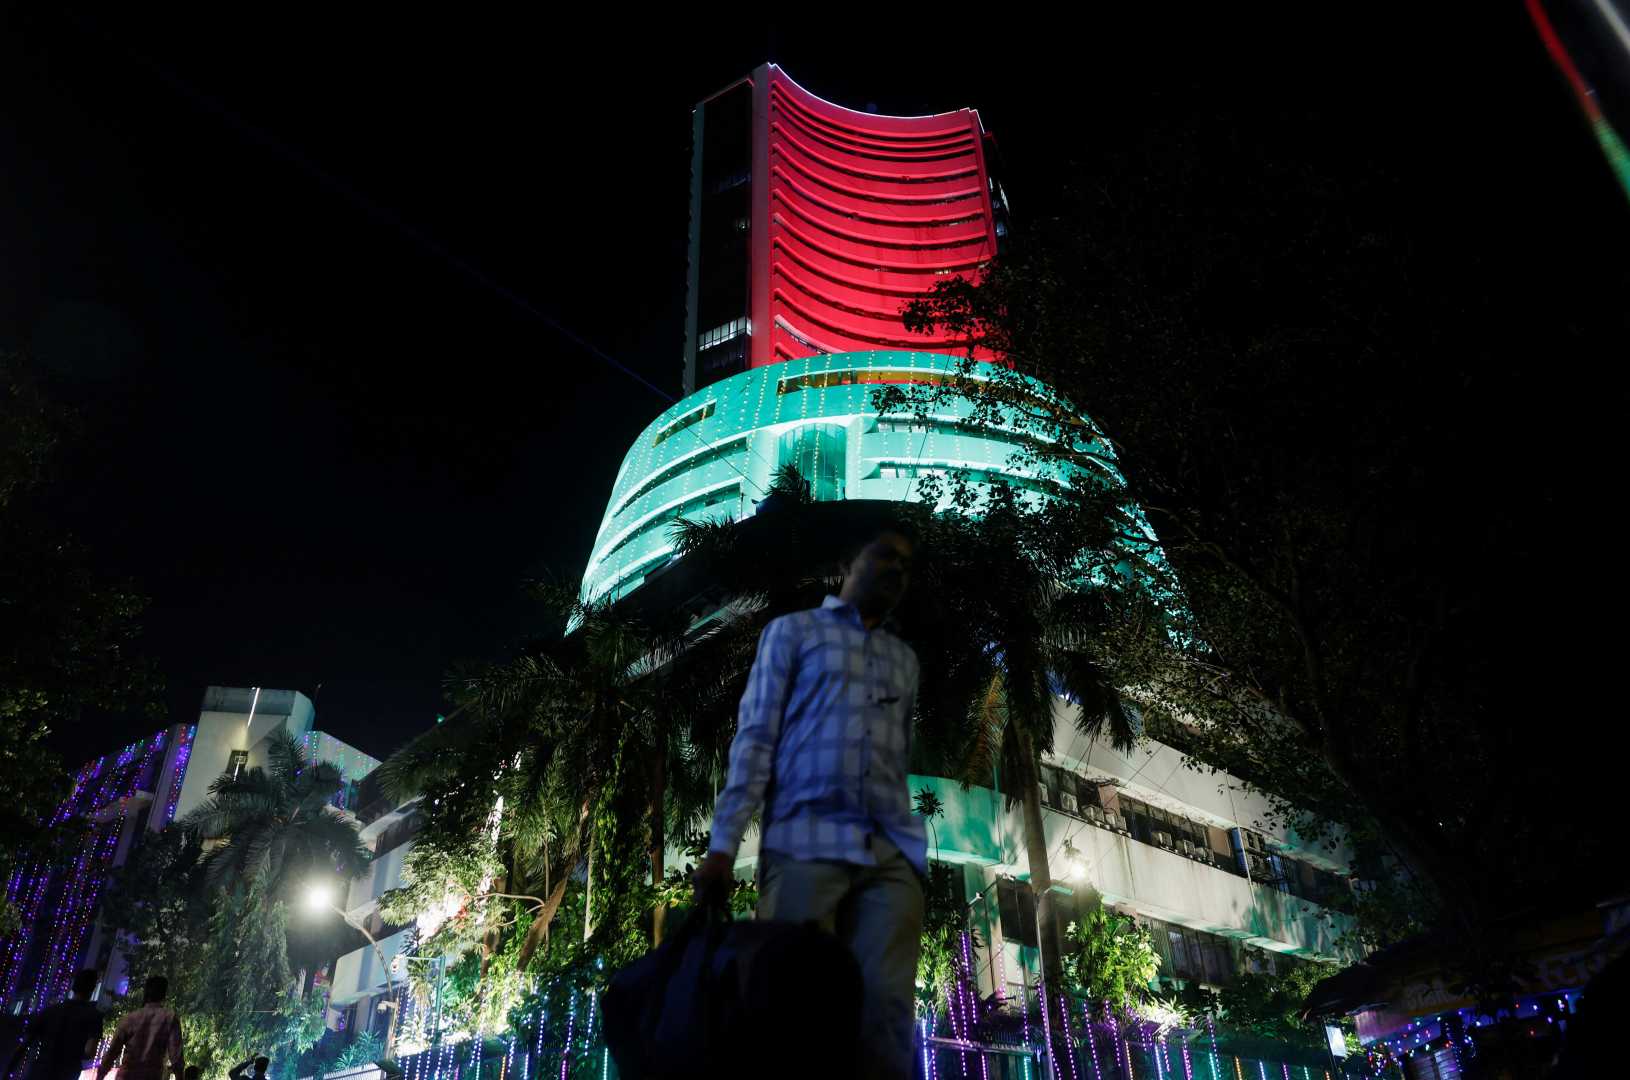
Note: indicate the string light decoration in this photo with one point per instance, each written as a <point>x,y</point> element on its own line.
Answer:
<point>178,772</point>
<point>57,904</point>
<point>1064,1018</point>
<point>571,1021</point>
<point>1024,1016</point>
<point>1126,1047</point>
<point>1091,1038</point>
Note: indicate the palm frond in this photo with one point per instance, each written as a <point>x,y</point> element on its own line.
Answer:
<point>1100,710</point>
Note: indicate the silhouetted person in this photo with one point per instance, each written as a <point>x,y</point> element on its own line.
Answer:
<point>825,728</point>
<point>193,1073</point>
<point>241,1072</point>
<point>146,1037</point>
<point>65,1033</point>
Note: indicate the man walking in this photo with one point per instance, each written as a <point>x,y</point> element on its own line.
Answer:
<point>146,1037</point>
<point>822,743</point>
<point>66,1034</point>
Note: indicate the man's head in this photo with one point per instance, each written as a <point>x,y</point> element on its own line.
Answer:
<point>193,1072</point>
<point>85,984</point>
<point>877,571</point>
<point>156,989</point>
<point>262,1064</point>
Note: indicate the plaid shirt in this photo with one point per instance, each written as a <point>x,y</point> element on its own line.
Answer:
<point>822,742</point>
<point>146,1036</point>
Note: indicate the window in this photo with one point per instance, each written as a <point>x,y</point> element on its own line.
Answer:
<point>1017,905</point>
<point>720,452</point>
<point>695,416</point>
<point>705,501</point>
<point>721,334</point>
<point>1186,953</point>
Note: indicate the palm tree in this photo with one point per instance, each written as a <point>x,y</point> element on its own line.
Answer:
<point>275,826</point>
<point>600,743</point>
<point>633,712</point>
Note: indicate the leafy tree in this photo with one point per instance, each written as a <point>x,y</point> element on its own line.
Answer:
<point>1270,1005</point>
<point>225,952</point>
<point>1303,403</point>
<point>65,632</point>
<point>945,920</point>
<point>1109,957</point>
<point>617,723</point>
<point>275,827</point>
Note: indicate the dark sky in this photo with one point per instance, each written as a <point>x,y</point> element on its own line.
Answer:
<point>329,455</point>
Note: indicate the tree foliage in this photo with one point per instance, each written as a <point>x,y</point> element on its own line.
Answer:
<point>224,950</point>
<point>1311,411</point>
<point>275,826</point>
<point>1109,957</point>
<point>66,633</point>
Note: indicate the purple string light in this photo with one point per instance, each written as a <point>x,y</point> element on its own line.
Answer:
<point>57,904</point>
<point>1120,1036</point>
<point>1047,1028</point>
<point>1092,1040</point>
<point>1069,1037</point>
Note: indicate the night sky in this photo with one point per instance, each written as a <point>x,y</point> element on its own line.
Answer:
<point>330,453</point>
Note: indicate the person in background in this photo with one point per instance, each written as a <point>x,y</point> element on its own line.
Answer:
<point>193,1073</point>
<point>825,730</point>
<point>241,1072</point>
<point>146,1038</point>
<point>66,1034</point>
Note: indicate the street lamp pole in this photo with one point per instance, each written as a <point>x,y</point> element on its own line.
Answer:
<point>320,895</point>
<point>379,955</point>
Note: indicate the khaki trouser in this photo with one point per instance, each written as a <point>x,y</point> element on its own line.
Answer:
<point>878,912</point>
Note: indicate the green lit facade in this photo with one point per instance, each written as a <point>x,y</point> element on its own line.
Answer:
<point>713,454</point>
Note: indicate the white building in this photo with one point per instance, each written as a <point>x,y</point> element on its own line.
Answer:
<point>123,796</point>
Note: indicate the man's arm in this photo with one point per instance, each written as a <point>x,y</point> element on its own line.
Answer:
<point>237,1071</point>
<point>752,752</point>
<point>121,1035</point>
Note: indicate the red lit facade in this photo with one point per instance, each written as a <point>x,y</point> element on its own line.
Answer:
<point>812,225</point>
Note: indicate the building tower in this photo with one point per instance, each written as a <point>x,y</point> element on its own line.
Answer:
<point>122,798</point>
<point>812,225</point>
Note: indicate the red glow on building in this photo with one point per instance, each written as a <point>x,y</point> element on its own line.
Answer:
<point>860,213</point>
<point>845,218</point>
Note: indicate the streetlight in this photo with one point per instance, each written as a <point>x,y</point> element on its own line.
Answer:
<point>319,898</point>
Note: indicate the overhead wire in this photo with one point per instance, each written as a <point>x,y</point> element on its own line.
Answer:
<point>386,216</point>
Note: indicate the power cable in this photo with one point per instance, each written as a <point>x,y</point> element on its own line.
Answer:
<point>388,217</point>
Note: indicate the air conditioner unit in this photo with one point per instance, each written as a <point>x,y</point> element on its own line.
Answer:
<point>1067,803</point>
<point>1164,839</point>
<point>1095,815</point>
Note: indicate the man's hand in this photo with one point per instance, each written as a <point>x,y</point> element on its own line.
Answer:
<point>712,879</point>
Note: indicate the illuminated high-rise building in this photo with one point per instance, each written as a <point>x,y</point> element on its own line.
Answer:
<point>811,226</point>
